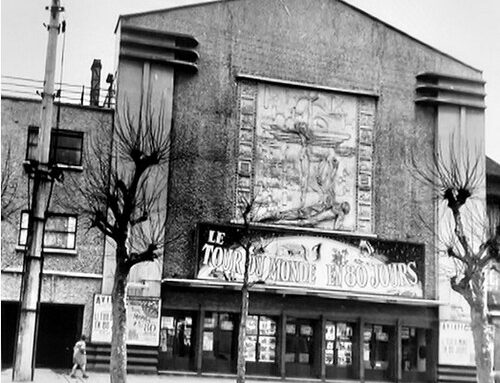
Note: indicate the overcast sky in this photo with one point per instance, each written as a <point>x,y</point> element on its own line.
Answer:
<point>466,29</point>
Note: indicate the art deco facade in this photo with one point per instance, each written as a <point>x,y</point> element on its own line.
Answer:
<point>314,110</point>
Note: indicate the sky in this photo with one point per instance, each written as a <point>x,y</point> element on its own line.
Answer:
<point>466,29</point>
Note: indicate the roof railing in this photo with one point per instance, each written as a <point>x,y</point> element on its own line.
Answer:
<point>65,93</point>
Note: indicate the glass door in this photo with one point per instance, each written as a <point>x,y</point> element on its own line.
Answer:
<point>176,350</point>
<point>414,353</point>
<point>299,348</point>
<point>378,351</point>
<point>220,342</point>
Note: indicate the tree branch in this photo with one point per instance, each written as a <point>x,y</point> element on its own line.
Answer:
<point>462,288</point>
<point>10,204</point>
<point>142,218</point>
<point>452,254</point>
<point>100,221</point>
<point>150,254</point>
<point>460,233</point>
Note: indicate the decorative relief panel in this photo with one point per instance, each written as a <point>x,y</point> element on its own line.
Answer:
<point>307,157</point>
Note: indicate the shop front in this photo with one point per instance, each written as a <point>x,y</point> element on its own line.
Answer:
<point>299,326</point>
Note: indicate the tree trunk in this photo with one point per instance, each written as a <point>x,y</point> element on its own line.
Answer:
<point>242,334</point>
<point>241,365</point>
<point>481,330</point>
<point>118,363</point>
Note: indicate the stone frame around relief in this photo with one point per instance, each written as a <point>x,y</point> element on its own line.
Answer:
<point>244,148</point>
<point>282,177</point>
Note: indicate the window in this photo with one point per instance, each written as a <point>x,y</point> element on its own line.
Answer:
<point>65,146</point>
<point>60,231</point>
<point>32,142</point>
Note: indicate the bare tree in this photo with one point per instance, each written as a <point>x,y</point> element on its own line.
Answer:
<point>252,244</point>
<point>473,244</point>
<point>122,197</point>
<point>245,241</point>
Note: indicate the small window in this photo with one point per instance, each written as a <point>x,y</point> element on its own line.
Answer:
<point>60,231</point>
<point>32,143</point>
<point>65,146</point>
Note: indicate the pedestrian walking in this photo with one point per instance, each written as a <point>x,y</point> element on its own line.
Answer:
<point>79,357</point>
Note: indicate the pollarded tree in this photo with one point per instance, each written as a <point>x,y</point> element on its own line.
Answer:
<point>251,242</point>
<point>122,196</point>
<point>472,243</point>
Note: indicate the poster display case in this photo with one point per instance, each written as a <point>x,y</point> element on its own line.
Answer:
<point>339,349</point>
<point>260,344</point>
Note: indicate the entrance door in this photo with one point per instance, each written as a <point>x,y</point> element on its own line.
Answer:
<point>299,351</point>
<point>9,321</point>
<point>59,327</point>
<point>379,351</point>
<point>58,330</point>
<point>220,342</point>
<point>177,342</point>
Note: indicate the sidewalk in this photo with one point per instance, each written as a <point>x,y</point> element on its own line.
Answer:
<point>45,375</point>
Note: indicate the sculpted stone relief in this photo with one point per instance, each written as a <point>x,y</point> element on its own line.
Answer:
<point>311,159</point>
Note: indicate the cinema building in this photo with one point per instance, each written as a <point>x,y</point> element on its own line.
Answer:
<point>315,111</point>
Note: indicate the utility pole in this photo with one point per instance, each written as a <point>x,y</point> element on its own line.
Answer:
<point>42,174</point>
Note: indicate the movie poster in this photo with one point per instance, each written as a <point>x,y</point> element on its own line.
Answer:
<point>143,320</point>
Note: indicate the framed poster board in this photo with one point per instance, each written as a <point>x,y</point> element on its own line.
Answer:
<point>143,320</point>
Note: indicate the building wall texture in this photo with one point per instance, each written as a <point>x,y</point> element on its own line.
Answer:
<point>324,43</point>
<point>69,278</point>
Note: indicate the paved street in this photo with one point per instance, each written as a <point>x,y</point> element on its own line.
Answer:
<point>43,375</point>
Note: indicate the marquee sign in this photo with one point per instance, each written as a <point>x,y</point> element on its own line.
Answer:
<point>341,263</point>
